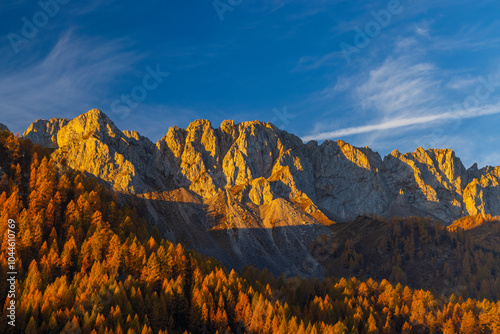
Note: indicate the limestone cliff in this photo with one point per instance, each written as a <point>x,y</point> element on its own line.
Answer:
<point>92,143</point>
<point>250,193</point>
<point>44,133</point>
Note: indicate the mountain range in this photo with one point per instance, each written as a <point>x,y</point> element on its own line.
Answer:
<point>250,193</point>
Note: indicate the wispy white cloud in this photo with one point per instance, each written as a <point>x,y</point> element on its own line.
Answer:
<point>458,83</point>
<point>73,76</point>
<point>90,6</point>
<point>308,63</point>
<point>343,84</point>
<point>304,14</point>
<point>406,90</point>
<point>399,85</point>
<point>469,37</point>
<point>423,28</point>
<point>405,43</point>
<point>421,31</point>
<point>407,121</point>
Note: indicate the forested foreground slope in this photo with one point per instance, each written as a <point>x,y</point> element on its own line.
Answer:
<point>88,263</point>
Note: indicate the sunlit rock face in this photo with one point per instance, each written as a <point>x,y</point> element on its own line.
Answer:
<point>44,133</point>
<point>92,143</point>
<point>250,193</point>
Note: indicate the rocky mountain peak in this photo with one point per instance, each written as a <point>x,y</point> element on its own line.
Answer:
<point>44,133</point>
<point>91,142</point>
<point>93,123</point>
<point>341,180</point>
<point>4,127</point>
<point>227,127</point>
<point>256,178</point>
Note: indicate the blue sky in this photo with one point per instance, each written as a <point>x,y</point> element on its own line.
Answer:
<point>424,73</point>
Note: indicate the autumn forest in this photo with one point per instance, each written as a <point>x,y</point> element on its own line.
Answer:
<point>88,262</point>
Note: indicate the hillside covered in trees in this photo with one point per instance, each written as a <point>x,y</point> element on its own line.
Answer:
<point>418,252</point>
<point>88,262</point>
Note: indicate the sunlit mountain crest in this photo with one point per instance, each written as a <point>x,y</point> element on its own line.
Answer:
<point>220,189</point>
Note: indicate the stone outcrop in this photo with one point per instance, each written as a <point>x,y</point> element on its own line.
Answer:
<point>341,180</point>
<point>92,143</point>
<point>250,193</point>
<point>44,133</point>
<point>4,127</point>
